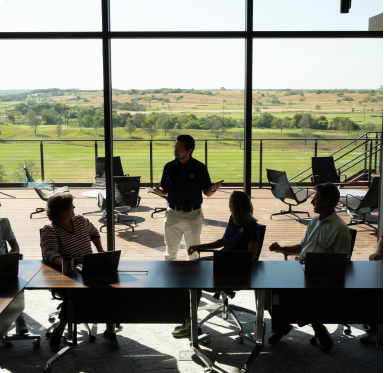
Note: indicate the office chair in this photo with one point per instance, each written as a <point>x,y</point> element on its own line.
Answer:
<point>228,309</point>
<point>160,209</point>
<point>282,190</point>
<point>19,337</point>
<point>128,196</point>
<point>51,317</point>
<point>40,193</point>
<point>100,182</point>
<point>362,206</point>
<point>347,331</point>
<point>324,171</point>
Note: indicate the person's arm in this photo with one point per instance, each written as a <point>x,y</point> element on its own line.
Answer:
<point>290,250</point>
<point>252,247</point>
<point>97,242</point>
<point>50,246</point>
<point>14,246</point>
<point>378,255</point>
<point>210,245</point>
<point>212,189</point>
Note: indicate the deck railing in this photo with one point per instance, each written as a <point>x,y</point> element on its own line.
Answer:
<point>73,161</point>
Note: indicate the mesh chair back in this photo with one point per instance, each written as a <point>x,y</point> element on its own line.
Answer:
<point>117,167</point>
<point>262,229</point>
<point>324,170</point>
<point>128,187</point>
<point>371,200</point>
<point>280,187</point>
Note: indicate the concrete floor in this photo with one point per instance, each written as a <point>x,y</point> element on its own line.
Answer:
<point>151,348</point>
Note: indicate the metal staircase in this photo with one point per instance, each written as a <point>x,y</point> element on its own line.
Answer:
<point>355,162</point>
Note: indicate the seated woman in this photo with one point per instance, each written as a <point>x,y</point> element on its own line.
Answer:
<point>242,234</point>
<point>69,235</point>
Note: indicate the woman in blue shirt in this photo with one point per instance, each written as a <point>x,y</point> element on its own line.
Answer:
<point>242,233</point>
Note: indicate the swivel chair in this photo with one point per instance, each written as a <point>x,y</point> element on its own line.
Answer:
<point>40,193</point>
<point>228,309</point>
<point>282,190</point>
<point>19,337</point>
<point>363,206</point>
<point>324,171</point>
<point>347,331</point>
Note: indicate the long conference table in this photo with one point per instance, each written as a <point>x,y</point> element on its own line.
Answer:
<point>154,292</point>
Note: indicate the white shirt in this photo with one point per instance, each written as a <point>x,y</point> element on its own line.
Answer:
<point>330,235</point>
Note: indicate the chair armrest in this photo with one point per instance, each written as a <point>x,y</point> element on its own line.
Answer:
<point>138,200</point>
<point>207,250</point>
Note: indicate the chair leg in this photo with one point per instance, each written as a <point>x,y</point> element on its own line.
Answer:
<point>38,211</point>
<point>158,209</point>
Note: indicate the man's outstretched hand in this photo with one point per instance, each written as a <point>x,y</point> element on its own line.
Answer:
<point>216,186</point>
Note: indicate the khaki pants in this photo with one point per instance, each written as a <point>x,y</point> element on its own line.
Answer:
<point>177,224</point>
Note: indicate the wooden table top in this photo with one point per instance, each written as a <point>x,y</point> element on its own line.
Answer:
<point>199,275</point>
<point>11,287</point>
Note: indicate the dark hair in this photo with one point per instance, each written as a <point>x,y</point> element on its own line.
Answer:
<point>57,204</point>
<point>241,208</point>
<point>330,192</point>
<point>189,141</point>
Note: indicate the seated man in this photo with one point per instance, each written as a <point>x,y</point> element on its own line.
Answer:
<point>325,233</point>
<point>242,234</point>
<point>6,234</point>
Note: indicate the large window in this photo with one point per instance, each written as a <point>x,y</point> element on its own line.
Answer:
<point>179,66</point>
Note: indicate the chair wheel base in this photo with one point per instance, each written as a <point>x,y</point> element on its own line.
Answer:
<point>92,338</point>
<point>347,331</point>
<point>313,340</point>
<point>207,341</point>
<point>47,368</point>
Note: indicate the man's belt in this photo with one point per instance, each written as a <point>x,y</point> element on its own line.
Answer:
<point>185,209</point>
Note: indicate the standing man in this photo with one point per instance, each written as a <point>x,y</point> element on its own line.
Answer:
<point>6,234</point>
<point>183,180</point>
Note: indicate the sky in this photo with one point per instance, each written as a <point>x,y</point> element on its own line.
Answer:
<point>199,64</point>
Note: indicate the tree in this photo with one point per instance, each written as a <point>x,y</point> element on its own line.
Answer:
<point>152,132</point>
<point>349,126</point>
<point>304,124</point>
<point>59,129</point>
<point>33,120</point>
<point>218,130</point>
<point>130,127</point>
<point>370,126</point>
<point>317,107</point>
<point>11,117</point>
<point>210,123</point>
<point>164,123</point>
<point>239,136</point>
<point>174,133</point>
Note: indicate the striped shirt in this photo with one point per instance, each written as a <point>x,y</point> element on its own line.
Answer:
<point>57,242</point>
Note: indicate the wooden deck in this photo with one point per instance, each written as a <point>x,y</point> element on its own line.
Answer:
<point>147,242</point>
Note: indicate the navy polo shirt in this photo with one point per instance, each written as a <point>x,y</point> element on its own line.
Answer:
<point>237,238</point>
<point>185,182</point>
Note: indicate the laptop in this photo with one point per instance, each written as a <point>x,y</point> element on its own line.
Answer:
<point>232,262</point>
<point>325,264</point>
<point>9,265</point>
<point>100,263</point>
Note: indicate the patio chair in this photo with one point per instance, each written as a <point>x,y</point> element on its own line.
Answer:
<point>127,197</point>
<point>40,193</point>
<point>324,171</point>
<point>228,309</point>
<point>362,206</point>
<point>282,190</point>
